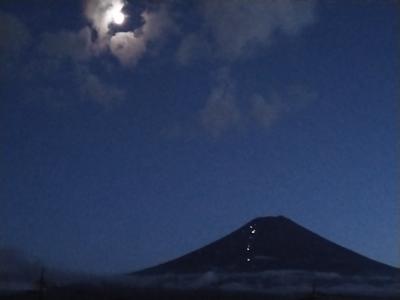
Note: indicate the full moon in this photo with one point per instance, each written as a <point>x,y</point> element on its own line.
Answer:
<point>118,17</point>
<point>115,15</point>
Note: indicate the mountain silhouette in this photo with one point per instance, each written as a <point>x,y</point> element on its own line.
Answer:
<point>272,243</point>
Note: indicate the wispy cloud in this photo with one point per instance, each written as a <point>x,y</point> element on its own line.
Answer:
<point>229,31</point>
<point>72,55</point>
<point>130,46</point>
<point>92,88</point>
<point>236,29</point>
<point>265,111</point>
<point>76,46</point>
<point>226,109</point>
<point>14,35</point>
<point>100,37</point>
<point>221,112</point>
<point>14,39</point>
<point>232,31</point>
<point>127,46</point>
<point>97,12</point>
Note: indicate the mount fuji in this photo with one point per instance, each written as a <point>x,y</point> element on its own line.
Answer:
<point>272,243</point>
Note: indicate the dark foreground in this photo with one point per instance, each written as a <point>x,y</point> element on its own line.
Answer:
<point>84,293</point>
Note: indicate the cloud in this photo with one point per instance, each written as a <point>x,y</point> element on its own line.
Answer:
<point>62,62</point>
<point>68,44</point>
<point>130,46</point>
<point>100,37</point>
<point>192,47</point>
<point>230,30</point>
<point>292,283</point>
<point>97,12</point>
<point>157,24</point>
<point>265,111</point>
<point>94,89</point>
<point>14,35</point>
<point>14,39</point>
<point>221,112</point>
<point>235,29</point>
<point>127,47</point>
<point>226,109</point>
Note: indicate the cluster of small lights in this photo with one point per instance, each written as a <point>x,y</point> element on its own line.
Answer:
<point>248,247</point>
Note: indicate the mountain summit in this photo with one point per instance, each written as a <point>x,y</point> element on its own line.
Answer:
<point>272,243</point>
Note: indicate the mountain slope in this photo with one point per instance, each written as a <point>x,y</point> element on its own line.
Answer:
<point>272,243</point>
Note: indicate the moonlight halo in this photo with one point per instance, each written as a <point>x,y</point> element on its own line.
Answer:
<point>115,15</point>
<point>118,17</point>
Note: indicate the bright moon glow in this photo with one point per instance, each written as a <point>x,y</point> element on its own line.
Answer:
<point>115,15</point>
<point>118,18</point>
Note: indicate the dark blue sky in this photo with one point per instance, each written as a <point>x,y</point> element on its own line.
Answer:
<point>123,146</point>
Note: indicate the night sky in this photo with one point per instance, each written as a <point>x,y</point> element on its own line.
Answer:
<point>126,145</point>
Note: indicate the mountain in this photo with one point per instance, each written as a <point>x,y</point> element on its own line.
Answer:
<point>272,244</point>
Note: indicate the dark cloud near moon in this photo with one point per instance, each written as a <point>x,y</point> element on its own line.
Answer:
<point>213,41</point>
